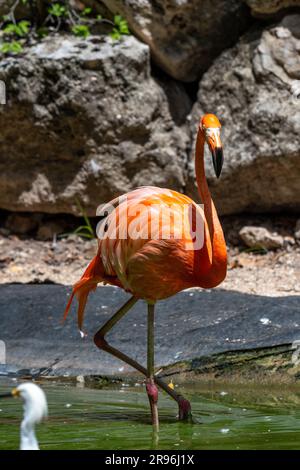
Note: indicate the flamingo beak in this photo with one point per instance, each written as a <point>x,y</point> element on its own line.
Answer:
<point>216,148</point>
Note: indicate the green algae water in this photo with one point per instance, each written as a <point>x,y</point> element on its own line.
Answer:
<point>115,418</point>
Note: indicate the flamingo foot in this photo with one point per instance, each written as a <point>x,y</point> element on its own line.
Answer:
<point>185,410</point>
<point>152,393</point>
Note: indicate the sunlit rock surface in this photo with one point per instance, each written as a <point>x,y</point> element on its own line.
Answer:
<point>184,35</point>
<point>85,119</point>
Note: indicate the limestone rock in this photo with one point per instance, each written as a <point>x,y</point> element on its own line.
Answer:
<point>89,122</point>
<point>260,237</point>
<point>184,35</point>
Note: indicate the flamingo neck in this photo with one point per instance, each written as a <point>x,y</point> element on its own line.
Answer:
<point>216,245</point>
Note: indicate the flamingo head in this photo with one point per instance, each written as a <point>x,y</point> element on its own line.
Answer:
<point>211,127</point>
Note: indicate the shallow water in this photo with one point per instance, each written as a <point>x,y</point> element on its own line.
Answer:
<point>118,418</point>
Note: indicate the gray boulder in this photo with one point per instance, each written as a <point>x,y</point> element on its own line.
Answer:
<point>184,36</point>
<point>252,89</point>
<point>85,119</point>
<point>260,237</point>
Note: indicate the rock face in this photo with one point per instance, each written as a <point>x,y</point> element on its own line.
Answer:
<point>184,35</point>
<point>260,237</point>
<point>250,88</point>
<point>267,7</point>
<point>85,119</point>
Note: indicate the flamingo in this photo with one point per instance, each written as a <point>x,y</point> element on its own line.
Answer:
<point>151,267</point>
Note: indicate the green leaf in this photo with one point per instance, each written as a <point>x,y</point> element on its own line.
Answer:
<point>16,47</point>
<point>24,27</point>
<point>19,29</point>
<point>4,47</point>
<point>88,226</point>
<point>82,227</point>
<point>81,30</point>
<point>85,235</point>
<point>86,11</point>
<point>121,27</point>
<point>115,34</point>
<point>57,10</point>
<point>11,47</point>
<point>9,29</point>
<point>117,19</point>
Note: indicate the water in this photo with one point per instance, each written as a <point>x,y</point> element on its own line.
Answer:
<point>118,418</point>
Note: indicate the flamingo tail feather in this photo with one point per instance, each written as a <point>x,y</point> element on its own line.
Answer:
<point>81,289</point>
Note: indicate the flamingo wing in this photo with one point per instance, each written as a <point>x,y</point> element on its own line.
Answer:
<point>134,253</point>
<point>144,243</point>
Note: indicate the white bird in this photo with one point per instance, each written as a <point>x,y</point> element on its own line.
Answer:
<point>35,409</point>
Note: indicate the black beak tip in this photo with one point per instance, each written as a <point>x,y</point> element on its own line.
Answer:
<point>218,159</point>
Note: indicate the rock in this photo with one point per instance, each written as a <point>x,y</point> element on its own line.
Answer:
<point>184,35</point>
<point>89,123</point>
<point>260,237</point>
<point>48,230</point>
<point>288,241</point>
<point>23,10</point>
<point>21,224</point>
<point>249,88</point>
<point>297,230</point>
<point>268,7</point>
<point>74,238</point>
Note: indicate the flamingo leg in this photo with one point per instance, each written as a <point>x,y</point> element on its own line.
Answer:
<point>150,384</point>
<point>101,343</point>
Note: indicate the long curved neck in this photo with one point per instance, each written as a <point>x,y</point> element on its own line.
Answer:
<point>218,246</point>
<point>209,208</point>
